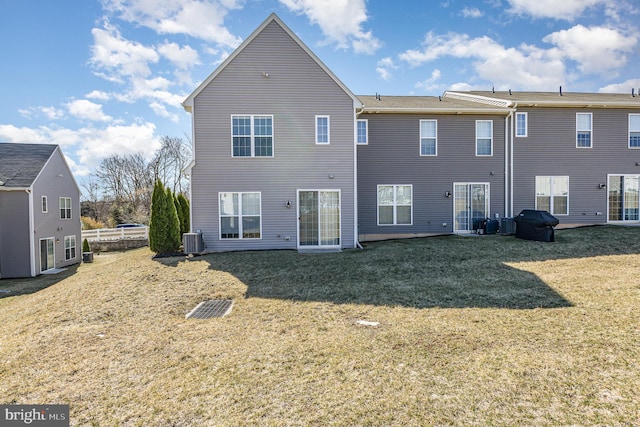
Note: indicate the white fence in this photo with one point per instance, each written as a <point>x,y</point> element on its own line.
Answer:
<point>110,234</point>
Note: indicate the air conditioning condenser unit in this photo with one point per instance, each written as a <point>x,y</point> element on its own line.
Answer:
<point>193,243</point>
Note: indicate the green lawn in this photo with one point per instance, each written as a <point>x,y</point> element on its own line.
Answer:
<point>487,330</point>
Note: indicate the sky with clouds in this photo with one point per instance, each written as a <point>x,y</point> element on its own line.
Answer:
<point>105,77</point>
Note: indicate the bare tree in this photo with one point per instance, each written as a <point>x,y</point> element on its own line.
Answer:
<point>125,182</point>
<point>128,182</point>
<point>93,205</point>
<point>169,163</point>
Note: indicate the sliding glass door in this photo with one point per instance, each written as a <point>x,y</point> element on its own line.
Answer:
<point>318,218</point>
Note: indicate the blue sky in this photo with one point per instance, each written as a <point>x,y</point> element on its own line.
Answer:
<point>104,77</point>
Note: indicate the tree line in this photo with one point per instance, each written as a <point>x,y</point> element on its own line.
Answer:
<point>121,189</point>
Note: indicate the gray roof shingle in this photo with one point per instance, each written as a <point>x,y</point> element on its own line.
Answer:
<point>20,164</point>
<point>556,99</point>
<point>425,104</point>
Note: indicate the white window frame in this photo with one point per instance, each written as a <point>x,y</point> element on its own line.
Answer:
<point>434,138</point>
<point>552,196</point>
<point>65,211</point>
<point>45,205</point>
<point>70,245</point>
<point>395,204</point>
<point>328,141</point>
<point>590,130</point>
<point>366,132</point>
<point>631,130</point>
<point>491,138</point>
<point>525,131</point>
<point>240,215</point>
<point>253,135</point>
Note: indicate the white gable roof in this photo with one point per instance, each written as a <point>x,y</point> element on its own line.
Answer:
<point>188,102</point>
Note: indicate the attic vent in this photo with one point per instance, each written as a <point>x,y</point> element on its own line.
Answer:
<point>211,308</point>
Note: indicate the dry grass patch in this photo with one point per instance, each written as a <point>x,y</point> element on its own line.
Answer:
<point>473,331</point>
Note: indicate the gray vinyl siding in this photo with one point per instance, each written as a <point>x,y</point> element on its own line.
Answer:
<point>550,150</point>
<point>49,224</point>
<point>14,234</point>
<point>392,157</point>
<point>295,91</point>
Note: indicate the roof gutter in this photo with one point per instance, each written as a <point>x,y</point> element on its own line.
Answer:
<point>26,189</point>
<point>542,103</point>
<point>404,110</point>
<point>576,104</point>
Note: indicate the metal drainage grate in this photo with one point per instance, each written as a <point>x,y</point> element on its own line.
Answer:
<point>211,308</point>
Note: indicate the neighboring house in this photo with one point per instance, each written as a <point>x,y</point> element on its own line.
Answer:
<point>429,165</point>
<point>39,210</point>
<point>576,155</point>
<point>286,157</point>
<point>274,149</point>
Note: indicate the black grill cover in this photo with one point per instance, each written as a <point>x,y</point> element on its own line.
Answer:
<point>536,225</point>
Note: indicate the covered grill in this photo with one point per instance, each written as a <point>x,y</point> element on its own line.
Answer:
<point>536,225</point>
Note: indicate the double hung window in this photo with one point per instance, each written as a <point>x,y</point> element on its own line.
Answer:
<point>362,130</point>
<point>584,130</point>
<point>65,207</point>
<point>634,130</point>
<point>322,129</point>
<point>428,137</point>
<point>395,204</point>
<point>252,136</point>
<point>240,215</point>
<point>69,247</point>
<point>521,125</point>
<point>484,137</point>
<point>552,194</point>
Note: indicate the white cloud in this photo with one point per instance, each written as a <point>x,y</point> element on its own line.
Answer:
<point>87,110</point>
<point>471,12</point>
<point>624,87</point>
<point>340,21</point>
<point>384,67</point>
<point>151,89</point>
<point>40,135</point>
<point>99,95</point>
<point>567,10</point>
<point>119,139</point>
<point>23,135</point>
<point>89,145</point>
<point>430,84</point>
<point>183,57</point>
<point>51,113</point>
<point>461,87</point>
<point>196,18</point>
<point>596,49</point>
<point>130,63</point>
<point>525,67</point>
<point>161,110</point>
<point>115,54</point>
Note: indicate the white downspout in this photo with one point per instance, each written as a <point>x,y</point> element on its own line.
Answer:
<point>356,238</point>
<point>506,165</point>
<point>32,235</point>
<point>511,161</point>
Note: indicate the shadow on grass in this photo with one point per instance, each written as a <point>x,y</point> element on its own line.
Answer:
<point>447,272</point>
<point>29,285</point>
